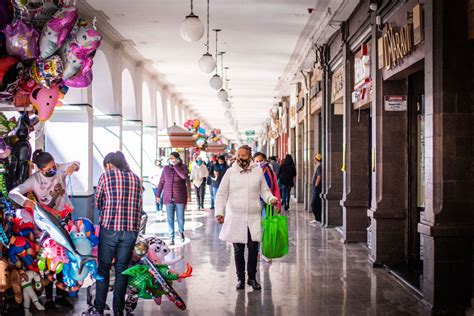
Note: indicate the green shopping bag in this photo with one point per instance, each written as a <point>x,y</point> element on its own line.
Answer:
<point>275,235</point>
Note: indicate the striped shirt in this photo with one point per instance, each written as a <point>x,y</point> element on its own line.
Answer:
<point>119,200</point>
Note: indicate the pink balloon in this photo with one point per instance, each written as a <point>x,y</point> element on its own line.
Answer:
<point>21,40</point>
<point>45,100</point>
<point>56,30</point>
<point>80,81</point>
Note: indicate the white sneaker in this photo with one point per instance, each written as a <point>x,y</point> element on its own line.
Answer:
<point>313,221</point>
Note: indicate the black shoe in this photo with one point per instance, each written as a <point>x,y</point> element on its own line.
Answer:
<point>50,306</point>
<point>63,302</point>
<point>119,314</point>
<point>240,284</point>
<point>172,242</point>
<point>254,284</point>
<point>182,237</point>
<point>94,311</point>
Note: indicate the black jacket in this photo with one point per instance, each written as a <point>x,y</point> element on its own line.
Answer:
<point>221,170</point>
<point>286,175</point>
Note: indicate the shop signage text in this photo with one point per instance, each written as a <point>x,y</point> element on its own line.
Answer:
<point>250,133</point>
<point>337,84</point>
<point>315,89</point>
<point>395,102</point>
<point>362,93</point>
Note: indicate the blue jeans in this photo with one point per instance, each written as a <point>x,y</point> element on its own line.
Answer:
<point>170,210</point>
<point>213,195</point>
<point>285,195</point>
<point>159,206</point>
<point>118,245</point>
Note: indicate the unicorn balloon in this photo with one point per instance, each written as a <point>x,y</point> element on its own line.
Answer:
<point>56,30</point>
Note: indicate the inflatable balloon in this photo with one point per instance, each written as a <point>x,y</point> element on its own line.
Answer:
<point>11,74</point>
<point>52,256</point>
<point>196,124</point>
<point>80,81</point>
<point>35,13</point>
<point>79,48</point>
<point>200,142</point>
<point>201,131</point>
<point>47,72</point>
<point>21,40</point>
<point>22,96</point>
<point>56,30</point>
<point>45,100</point>
<point>5,150</point>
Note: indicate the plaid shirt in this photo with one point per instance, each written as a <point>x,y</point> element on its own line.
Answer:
<point>119,200</point>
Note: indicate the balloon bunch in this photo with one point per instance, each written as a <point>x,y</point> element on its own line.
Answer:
<point>46,49</point>
<point>215,136</point>
<point>199,135</point>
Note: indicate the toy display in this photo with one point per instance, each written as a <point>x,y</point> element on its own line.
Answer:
<point>200,136</point>
<point>30,281</point>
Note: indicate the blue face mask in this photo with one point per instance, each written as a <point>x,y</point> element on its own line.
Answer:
<point>50,173</point>
<point>199,162</point>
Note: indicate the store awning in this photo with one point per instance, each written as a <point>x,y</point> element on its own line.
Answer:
<point>175,137</point>
<point>215,148</point>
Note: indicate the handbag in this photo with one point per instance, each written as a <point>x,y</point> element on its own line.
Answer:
<point>275,234</point>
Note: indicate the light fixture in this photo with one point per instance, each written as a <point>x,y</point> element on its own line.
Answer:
<point>227,105</point>
<point>207,63</point>
<point>192,29</point>
<point>228,114</point>
<point>216,81</point>
<point>222,94</point>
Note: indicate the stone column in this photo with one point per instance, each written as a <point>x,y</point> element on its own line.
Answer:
<point>355,177</point>
<point>447,227</point>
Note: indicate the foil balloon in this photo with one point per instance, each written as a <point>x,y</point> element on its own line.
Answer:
<point>57,29</point>
<point>21,40</point>
<point>45,101</point>
<point>5,14</point>
<point>47,72</point>
<point>22,96</point>
<point>200,142</point>
<point>5,150</point>
<point>11,74</point>
<point>79,49</point>
<point>34,12</point>
<point>80,81</point>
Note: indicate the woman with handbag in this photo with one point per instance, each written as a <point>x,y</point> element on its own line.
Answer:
<point>238,208</point>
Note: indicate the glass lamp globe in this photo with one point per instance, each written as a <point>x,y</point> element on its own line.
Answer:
<point>207,63</point>
<point>216,82</point>
<point>226,104</point>
<point>222,95</point>
<point>192,29</point>
<point>228,115</point>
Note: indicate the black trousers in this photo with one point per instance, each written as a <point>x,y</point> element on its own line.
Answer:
<point>239,251</point>
<point>316,206</point>
<point>200,193</point>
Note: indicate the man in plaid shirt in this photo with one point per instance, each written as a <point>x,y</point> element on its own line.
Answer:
<point>119,201</point>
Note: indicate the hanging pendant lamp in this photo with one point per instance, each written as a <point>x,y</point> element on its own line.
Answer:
<point>192,29</point>
<point>222,94</point>
<point>216,81</point>
<point>207,63</point>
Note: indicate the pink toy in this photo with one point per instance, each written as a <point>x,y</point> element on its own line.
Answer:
<point>21,40</point>
<point>45,100</point>
<point>78,50</point>
<point>54,255</point>
<point>80,80</point>
<point>56,30</point>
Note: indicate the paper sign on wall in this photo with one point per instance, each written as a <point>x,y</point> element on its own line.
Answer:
<point>343,168</point>
<point>395,102</point>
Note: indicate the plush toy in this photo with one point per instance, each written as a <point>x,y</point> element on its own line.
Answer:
<point>52,256</point>
<point>85,225</point>
<point>30,281</point>
<point>45,100</point>
<point>22,250</point>
<point>47,72</point>
<point>78,50</point>
<point>21,151</point>
<point>21,40</point>
<point>56,30</point>
<point>9,279</point>
<point>24,229</point>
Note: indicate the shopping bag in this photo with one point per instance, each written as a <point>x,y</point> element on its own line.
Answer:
<point>275,235</point>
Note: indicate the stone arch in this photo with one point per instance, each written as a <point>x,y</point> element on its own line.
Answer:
<point>103,97</point>
<point>129,108</point>
<point>147,107</point>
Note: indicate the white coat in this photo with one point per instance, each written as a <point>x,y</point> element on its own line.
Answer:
<point>238,200</point>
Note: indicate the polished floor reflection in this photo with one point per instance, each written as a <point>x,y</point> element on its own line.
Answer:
<point>320,276</point>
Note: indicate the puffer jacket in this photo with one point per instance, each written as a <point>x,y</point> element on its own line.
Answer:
<point>173,184</point>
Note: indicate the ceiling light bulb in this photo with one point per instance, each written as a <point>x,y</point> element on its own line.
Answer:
<point>228,115</point>
<point>216,82</point>
<point>192,29</point>
<point>207,63</point>
<point>222,95</point>
<point>227,105</point>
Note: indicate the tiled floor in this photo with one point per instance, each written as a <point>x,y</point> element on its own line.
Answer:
<point>320,276</point>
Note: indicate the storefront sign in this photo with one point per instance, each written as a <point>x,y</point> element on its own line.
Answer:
<point>362,94</point>
<point>399,42</point>
<point>337,84</point>
<point>250,133</point>
<point>395,102</point>
<point>292,116</point>
<point>315,89</point>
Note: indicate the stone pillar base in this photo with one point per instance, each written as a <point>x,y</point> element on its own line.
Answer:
<point>355,221</point>
<point>332,211</point>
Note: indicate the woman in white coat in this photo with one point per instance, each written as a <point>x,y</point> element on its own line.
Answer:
<point>238,201</point>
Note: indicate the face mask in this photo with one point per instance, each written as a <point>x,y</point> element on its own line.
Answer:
<point>50,173</point>
<point>262,164</point>
<point>243,163</point>
<point>171,163</point>
<point>199,162</point>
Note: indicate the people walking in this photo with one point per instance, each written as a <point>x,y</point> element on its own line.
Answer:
<point>238,208</point>
<point>286,177</point>
<point>216,173</point>
<point>212,162</point>
<point>155,180</point>
<point>175,194</point>
<point>270,177</point>
<point>316,190</point>
<point>48,185</point>
<point>119,201</point>
<point>199,176</point>
<point>274,163</point>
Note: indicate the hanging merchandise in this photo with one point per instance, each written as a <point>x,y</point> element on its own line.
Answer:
<point>56,30</point>
<point>20,166</point>
<point>21,40</point>
<point>47,72</point>
<point>5,14</point>
<point>45,100</point>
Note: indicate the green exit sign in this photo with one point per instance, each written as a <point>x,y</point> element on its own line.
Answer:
<point>250,133</point>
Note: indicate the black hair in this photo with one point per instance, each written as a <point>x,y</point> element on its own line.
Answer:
<point>260,154</point>
<point>175,154</point>
<point>117,159</point>
<point>41,158</point>
<point>221,157</point>
<point>288,161</point>
<point>273,158</point>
